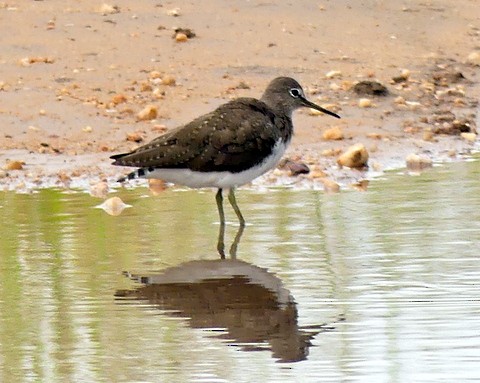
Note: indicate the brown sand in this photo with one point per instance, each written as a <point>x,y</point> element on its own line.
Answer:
<point>74,75</point>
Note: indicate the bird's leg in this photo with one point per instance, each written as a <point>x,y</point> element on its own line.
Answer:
<point>233,202</point>
<point>221,231</point>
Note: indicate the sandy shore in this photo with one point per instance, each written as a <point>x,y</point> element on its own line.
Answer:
<point>75,75</point>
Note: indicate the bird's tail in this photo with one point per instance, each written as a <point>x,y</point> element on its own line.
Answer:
<point>139,173</point>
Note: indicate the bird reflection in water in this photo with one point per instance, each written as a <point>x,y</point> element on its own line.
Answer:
<point>221,238</point>
<point>251,304</point>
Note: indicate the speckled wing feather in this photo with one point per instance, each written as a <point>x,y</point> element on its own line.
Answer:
<point>234,137</point>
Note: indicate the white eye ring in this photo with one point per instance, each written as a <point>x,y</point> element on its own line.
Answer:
<point>295,92</point>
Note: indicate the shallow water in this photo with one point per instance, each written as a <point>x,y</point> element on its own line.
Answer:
<point>369,286</point>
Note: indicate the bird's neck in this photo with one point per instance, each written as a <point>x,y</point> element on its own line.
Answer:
<point>277,104</point>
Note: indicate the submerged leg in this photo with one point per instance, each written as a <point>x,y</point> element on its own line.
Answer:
<point>236,241</point>
<point>233,202</point>
<point>221,231</point>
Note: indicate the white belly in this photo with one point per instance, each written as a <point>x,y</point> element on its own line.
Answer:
<point>220,180</point>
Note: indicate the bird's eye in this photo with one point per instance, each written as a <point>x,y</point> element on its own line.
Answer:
<point>295,92</point>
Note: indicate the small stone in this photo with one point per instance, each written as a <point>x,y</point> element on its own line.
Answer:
<point>134,137</point>
<point>158,93</point>
<point>27,61</point>
<point>316,174</point>
<point>334,86</point>
<point>375,136</point>
<point>370,88</point>
<point>14,165</point>
<point>181,37</point>
<point>428,136</point>
<point>155,74</point>
<point>156,186</point>
<point>113,206</point>
<point>331,152</point>
<point>330,186</point>
<point>403,77</point>
<point>360,185</point>
<point>332,134</point>
<point>186,31</point>
<point>365,103</point>
<point>168,80</point>
<point>447,77</point>
<point>64,178</point>
<point>175,12</point>
<point>108,9</point>
<point>417,163</point>
<point>50,25</point>
<point>470,137</point>
<point>355,157</point>
<point>99,190</point>
<point>119,99</point>
<point>474,58</point>
<point>333,73</point>
<point>294,167</point>
<point>150,112</point>
<point>87,129</point>
<point>159,128</point>
<point>146,87</point>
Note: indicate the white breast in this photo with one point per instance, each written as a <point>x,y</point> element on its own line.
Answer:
<point>220,180</point>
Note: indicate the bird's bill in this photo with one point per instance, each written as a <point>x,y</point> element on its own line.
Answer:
<point>319,108</point>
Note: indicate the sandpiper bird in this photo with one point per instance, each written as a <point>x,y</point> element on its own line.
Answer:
<point>229,147</point>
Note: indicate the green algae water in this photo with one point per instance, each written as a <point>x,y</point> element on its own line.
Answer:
<point>381,285</point>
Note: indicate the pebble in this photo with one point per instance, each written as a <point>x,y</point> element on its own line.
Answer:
<point>333,74</point>
<point>150,112</point>
<point>119,99</point>
<point>175,12</point>
<point>416,162</point>
<point>365,103</point>
<point>294,167</point>
<point>316,174</point>
<point>370,88</point>
<point>134,137</point>
<point>355,157</point>
<point>99,190</point>
<point>108,9</point>
<point>331,152</point>
<point>181,37</point>
<point>332,134</point>
<point>14,165</point>
<point>168,80</point>
<point>186,31</point>
<point>402,77</point>
<point>113,206</point>
<point>330,186</point>
<point>360,185</point>
<point>470,137</point>
<point>428,136</point>
<point>156,186</point>
<point>155,74</point>
<point>474,58</point>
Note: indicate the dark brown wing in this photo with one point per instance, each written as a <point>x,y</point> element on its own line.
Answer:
<point>234,137</point>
